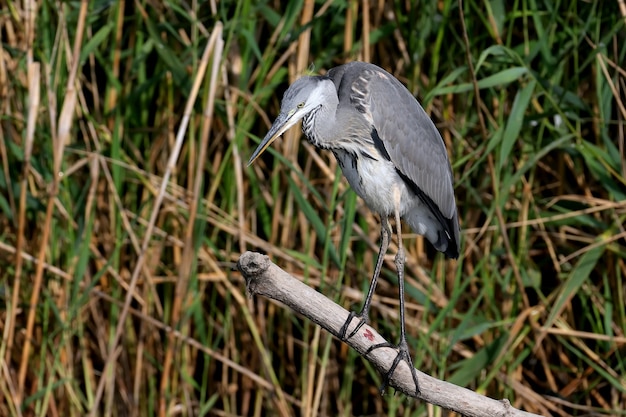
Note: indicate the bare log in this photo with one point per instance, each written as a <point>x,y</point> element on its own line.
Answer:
<point>265,278</point>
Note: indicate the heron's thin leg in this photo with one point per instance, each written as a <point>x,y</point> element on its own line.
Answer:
<point>385,237</point>
<point>402,347</point>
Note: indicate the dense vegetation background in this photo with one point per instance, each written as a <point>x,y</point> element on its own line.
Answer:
<point>126,201</point>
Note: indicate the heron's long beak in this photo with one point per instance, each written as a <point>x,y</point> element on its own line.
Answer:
<point>283,122</point>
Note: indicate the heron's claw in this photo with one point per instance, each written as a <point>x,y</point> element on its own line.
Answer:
<point>403,354</point>
<point>344,329</point>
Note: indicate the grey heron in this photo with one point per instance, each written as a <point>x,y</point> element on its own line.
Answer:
<point>392,155</point>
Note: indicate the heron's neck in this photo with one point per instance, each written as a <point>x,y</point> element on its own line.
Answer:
<point>319,125</point>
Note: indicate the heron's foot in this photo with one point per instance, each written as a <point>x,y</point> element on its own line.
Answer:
<point>403,354</point>
<point>363,319</point>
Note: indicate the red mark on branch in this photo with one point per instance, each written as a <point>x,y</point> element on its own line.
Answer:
<point>369,335</point>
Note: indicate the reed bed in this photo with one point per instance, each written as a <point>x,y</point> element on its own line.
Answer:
<point>126,201</point>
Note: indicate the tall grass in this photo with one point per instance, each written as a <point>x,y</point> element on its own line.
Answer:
<point>118,294</point>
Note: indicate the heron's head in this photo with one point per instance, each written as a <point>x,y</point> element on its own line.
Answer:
<point>302,97</point>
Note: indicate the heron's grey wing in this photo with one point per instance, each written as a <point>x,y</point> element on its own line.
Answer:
<point>408,134</point>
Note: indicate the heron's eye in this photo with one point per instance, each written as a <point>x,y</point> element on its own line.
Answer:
<point>301,105</point>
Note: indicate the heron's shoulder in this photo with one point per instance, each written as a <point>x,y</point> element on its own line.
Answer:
<point>356,82</point>
<point>357,72</point>
<point>350,82</point>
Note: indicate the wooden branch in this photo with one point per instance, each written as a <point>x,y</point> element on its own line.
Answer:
<point>265,278</point>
